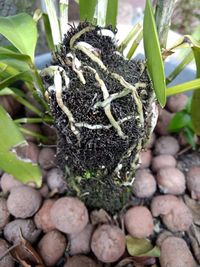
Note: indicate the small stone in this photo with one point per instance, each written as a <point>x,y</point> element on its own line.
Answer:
<point>144,185</point>
<point>51,247</point>
<point>166,145</point>
<point>42,218</point>
<point>162,236</point>
<point>23,201</point>
<point>139,222</point>
<point>177,103</point>
<point>163,161</point>
<point>44,191</point>
<point>80,261</point>
<point>6,261</point>
<point>4,213</point>
<point>8,182</point>
<point>163,121</point>
<point>193,182</point>
<point>175,253</point>
<point>18,227</point>
<point>29,152</point>
<point>69,215</point>
<point>145,159</point>
<point>47,159</point>
<point>108,243</point>
<point>33,128</point>
<point>56,181</point>
<point>171,181</point>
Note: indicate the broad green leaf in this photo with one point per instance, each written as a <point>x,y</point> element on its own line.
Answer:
<point>179,121</point>
<point>153,54</point>
<point>87,10</point>
<point>11,138</point>
<point>25,76</point>
<point>21,31</point>
<point>141,247</point>
<point>195,111</point>
<point>111,14</point>
<point>190,137</point>
<point>48,32</point>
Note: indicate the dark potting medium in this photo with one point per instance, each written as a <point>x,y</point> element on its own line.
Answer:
<point>102,106</point>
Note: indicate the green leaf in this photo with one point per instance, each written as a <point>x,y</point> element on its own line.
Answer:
<point>195,111</point>
<point>87,10</point>
<point>179,121</point>
<point>25,76</point>
<point>111,15</point>
<point>21,31</point>
<point>184,87</point>
<point>48,32</point>
<point>12,138</point>
<point>153,54</point>
<point>190,137</point>
<point>141,247</point>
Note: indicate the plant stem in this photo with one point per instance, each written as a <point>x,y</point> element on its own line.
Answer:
<point>183,87</point>
<point>33,120</point>
<point>163,14</point>
<point>135,44</point>
<point>100,12</point>
<point>64,4</point>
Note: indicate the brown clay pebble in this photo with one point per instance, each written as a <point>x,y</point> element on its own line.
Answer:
<point>139,222</point>
<point>51,247</point>
<point>42,218</point>
<point>4,213</point>
<point>80,261</point>
<point>69,215</point>
<point>33,128</point>
<point>80,243</point>
<point>44,191</point>
<point>162,161</point>
<point>176,103</point>
<point>18,227</point>
<point>6,261</point>
<point>166,145</point>
<point>10,104</point>
<point>173,211</point>
<point>163,121</point>
<point>145,159</point>
<point>162,236</point>
<point>23,201</point>
<point>144,185</point>
<point>28,152</point>
<point>108,243</point>
<point>193,182</point>
<point>171,181</point>
<point>56,181</point>
<point>47,158</point>
<point>8,182</point>
<point>175,253</point>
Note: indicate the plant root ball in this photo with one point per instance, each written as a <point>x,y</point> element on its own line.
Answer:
<point>23,201</point>
<point>139,222</point>
<point>144,185</point>
<point>163,121</point>
<point>6,261</point>
<point>80,261</point>
<point>193,182</point>
<point>173,211</point>
<point>42,218</point>
<point>171,181</point>
<point>4,213</point>
<point>108,243</point>
<point>47,158</point>
<point>51,247</point>
<point>80,243</point>
<point>8,182</point>
<point>166,145</point>
<point>163,161</point>
<point>145,159</point>
<point>69,215</point>
<point>176,103</point>
<point>27,228</point>
<point>175,252</point>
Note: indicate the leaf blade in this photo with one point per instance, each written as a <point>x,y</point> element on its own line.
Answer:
<point>87,9</point>
<point>111,14</point>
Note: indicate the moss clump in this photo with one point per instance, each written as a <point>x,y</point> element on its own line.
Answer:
<point>101,114</point>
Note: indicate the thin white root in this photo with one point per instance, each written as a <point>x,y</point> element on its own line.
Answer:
<point>76,67</point>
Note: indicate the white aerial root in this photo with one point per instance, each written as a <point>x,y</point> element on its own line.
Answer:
<point>76,67</point>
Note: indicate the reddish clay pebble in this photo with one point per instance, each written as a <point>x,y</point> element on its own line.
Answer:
<point>29,152</point>
<point>42,218</point>
<point>80,261</point>
<point>163,204</point>
<point>162,236</point>
<point>47,158</point>
<point>44,191</point>
<point>139,222</point>
<point>108,243</point>
<point>144,185</point>
<point>175,253</point>
<point>27,228</point>
<point>166,145</point>
<point>8,182</point>
<point>162,161</point>
<point>7,260</point>
<point>176,103</point>
<point>171,181</point>
<point>51,247</point>
<point>163,121</point>
<point>24,201</point>
<point>80,243</point>
<point>145,159</point>
<point>4,213</point>
<point>33,128</point>
<point>10,104</point>
<point>69,215</point>
<point>193,182</point>
<point>56,181</point>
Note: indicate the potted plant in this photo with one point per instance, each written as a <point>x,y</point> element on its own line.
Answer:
<point>104,107</point>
